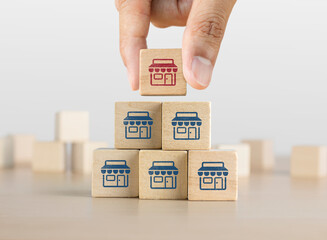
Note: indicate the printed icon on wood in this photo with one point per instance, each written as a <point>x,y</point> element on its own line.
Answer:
<point>213,176</point>
<point>115,173</point>
<point>163,175</point>
<point>186,126</point>
<point>161,72</point>
<point>138,125</point>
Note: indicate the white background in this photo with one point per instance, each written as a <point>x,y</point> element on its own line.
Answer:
<point>269,81</point>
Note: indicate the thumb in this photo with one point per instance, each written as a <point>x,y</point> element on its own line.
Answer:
<point>204,32</point>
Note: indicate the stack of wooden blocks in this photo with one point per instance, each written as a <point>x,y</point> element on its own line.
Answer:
<point>163,149</point>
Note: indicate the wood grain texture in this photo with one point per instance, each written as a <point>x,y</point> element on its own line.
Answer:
<point>123,137</point>
<point>172,140</point>
<point>82,156</point>
<point>99,180</point>
<point>49,157</point>
<point>22,147</point>
<point>262,154</point>
<point>72,126</point>
<point>243,155</point>
<point>172,186</point>
<point>309,161</point>
<point>160,81</point>
<point>195,160</point>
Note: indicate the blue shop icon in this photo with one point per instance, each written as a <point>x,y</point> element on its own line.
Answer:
<point>163,175</point>
<point>138,125</point>
<point>213,176</point>
<point>115,173</point>
<point>186,126</point>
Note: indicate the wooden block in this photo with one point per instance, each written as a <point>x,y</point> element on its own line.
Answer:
<point>243,156</point>
<point>115,173</point>
<point>186,125</point>
<point>72,126</point>
<point>22,147</point>
<point>161,72</point>
<point>138,125</point>
<point>82,156</point>
<point>309,161</point>
<point>163,174</point>
<point>212,175</point>
<point>262,154</point>
<point>49,157</point>
<point>6,160</point>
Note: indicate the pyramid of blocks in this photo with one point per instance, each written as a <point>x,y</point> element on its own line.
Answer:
<point>162,149</point>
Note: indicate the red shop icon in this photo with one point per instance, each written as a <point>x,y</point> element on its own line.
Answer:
<point>163,72</point>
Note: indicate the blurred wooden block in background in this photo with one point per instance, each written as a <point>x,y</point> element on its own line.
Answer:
<point>138,125</point>
<point>163,174</point>
<point>6,160</point>
<point>309,161</point>
<point>72,126</point>
<point>49,157</point>
<point>82,156</point>
<point>22,147</point>
<point>186,125</point>
<point>262,154</point>
<point>161,72</point>
<point>212,175</point>
<point>115,173</point>
<point>243,155</point>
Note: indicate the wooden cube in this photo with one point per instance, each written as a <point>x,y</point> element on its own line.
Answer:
<point>22,147</point>
<point>161,72</point>
<point>309,161</point>
<point>72,126</point>
<point>49,157</point>
<point>82,156</point>
<point>186,125</point>
<point>6,160</point>
<point>243,155</point>
<point>138,125</point>
<point>262,154</point>
<point>163,174</point>
<point>212,175</point>
<point>115,173</point>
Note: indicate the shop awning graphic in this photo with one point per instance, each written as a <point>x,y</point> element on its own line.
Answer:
<point>187,119</point>
<point>115,166</point>
<point>163,168</point>
<point>138,118</point>
<point>163,65</point>
<point>212,169</point>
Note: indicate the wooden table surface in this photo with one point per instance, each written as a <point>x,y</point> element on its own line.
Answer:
<point>59,206</point>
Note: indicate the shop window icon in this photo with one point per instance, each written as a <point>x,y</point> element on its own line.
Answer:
<point>138,125</point>
<point>186,126</point>
<point>163,175</point>
<point>213,176</point>
<point>115,173</point>
<point>163,72</point>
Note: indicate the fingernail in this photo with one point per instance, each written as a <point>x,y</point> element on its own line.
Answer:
<point>202,70</point>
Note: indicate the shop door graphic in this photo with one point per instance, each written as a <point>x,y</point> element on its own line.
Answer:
<point>169,182</point>
<point>191,133</point>
<point>168,79</point>
<point>218,183</point>
<point>143,132</point>
<point>121,180</point>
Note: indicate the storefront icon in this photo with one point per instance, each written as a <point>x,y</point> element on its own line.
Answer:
<point>186,126</point>
<point>138,125</point>
<point>115,173</point>
<point>163,72</point>
<point>213,176</point>
<point>163,175</point>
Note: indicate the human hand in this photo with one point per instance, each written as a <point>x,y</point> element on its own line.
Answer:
<point>205,22</point>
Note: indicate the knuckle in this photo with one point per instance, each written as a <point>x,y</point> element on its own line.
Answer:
<point>120,4</point>
<point>211,26</point>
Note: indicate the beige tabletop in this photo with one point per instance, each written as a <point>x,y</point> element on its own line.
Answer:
<point>58,206</point>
